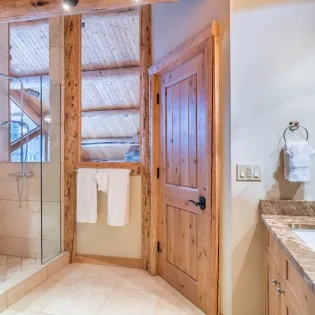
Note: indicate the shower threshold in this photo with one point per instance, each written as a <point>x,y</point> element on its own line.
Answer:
<point>19,275</point>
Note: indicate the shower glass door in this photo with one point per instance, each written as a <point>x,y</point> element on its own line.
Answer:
<point>50,169</point>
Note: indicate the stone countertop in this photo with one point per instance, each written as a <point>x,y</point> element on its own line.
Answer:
<point>280,225</point>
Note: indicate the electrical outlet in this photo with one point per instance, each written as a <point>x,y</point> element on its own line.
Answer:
<point>248,173</point>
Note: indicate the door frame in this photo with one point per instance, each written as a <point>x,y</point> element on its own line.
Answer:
<point>207,42</point>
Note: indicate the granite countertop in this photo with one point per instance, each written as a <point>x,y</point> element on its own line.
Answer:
<point>280,217</point>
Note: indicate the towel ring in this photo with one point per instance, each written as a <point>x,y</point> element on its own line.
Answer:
<point>293,126</point>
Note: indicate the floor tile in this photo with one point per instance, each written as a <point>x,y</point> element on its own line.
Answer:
<point>173,303</point>
<point>103,275</point>
<point>70,273</point>
<point>42,296</point>
<point>14,312</point>
<point>140,279</point>
<point>80,299</point>
<point>130,302</point>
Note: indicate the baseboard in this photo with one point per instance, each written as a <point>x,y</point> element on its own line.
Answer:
<point>136,263</point>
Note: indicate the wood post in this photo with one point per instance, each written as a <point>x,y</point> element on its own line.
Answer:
<point>145,63</point>
<point>72,104</point>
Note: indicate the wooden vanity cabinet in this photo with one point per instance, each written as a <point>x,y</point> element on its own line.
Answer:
<point>286,291</point>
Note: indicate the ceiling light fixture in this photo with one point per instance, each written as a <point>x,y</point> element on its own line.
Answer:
<point>68,4</point>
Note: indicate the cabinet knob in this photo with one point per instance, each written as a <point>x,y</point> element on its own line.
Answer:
<point>280,291</point>
<point>275,282</point>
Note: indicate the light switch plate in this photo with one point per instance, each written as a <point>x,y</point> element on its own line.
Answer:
<point>248,173</point>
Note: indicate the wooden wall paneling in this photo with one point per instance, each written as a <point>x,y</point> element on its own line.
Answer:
<point>145,63</point>
<point>72,99</point>
<point>22,10</point>
<point>155,151</point>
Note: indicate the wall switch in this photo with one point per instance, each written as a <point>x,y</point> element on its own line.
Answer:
<point>248,173</point>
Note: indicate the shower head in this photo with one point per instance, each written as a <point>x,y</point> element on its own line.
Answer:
<point>32,92</point>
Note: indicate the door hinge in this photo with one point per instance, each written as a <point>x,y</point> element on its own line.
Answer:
<point>158,247</point>
<point>158,172</point>
<point>158,98</point>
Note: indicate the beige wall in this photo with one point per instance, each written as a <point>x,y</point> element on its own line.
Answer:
<point>102,239</point>
<point>172,24</point>
<point>273,82</point>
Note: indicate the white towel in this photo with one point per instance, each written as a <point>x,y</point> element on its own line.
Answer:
<point>102,177</point>
<point>86,196</point>
<point>118,197</point>
<point>297,161</point>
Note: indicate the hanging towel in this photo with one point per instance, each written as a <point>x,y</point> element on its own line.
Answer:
<point>297,161</point>
<point>102,178</point>
<point>86,196</point>
<point>118,197</point>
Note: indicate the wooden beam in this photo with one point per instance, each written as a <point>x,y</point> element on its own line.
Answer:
<point>19,10</point>
<point>31,135</point>
<point>145,63</point>
<point>115,74</point>
<point>110,112</point>
<point>72,101</point>
<point>111,14</point>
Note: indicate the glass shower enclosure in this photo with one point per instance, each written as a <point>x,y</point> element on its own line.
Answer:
<point>30,168</point>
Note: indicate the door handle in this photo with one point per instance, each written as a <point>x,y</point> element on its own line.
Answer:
<point>201,203</point>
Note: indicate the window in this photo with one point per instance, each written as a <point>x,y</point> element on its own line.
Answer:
<point>110,123</point>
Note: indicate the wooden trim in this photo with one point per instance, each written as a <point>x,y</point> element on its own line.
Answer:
<point>72,101</point>
<point>213,52</point>
<point>110,112</point>
<point>109,261</point>
<point>134,167</point>
<point>185,51</point>
<point>208,42</point>
<point>145,63</point>
<point>155,163</point>
<point>22,10</point>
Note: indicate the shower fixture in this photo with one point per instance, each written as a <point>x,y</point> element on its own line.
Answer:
<point>68,4</point>
<point>19,176</point>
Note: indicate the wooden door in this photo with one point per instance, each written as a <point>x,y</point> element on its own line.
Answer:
<point>185,162</point>
<point>273,282</point>
<point>291,304</point>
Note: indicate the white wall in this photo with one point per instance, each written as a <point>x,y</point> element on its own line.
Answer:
<point>272,82</point>
<point>172,24</point>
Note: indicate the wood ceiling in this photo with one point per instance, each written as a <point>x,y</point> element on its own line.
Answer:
<point>110,77</point>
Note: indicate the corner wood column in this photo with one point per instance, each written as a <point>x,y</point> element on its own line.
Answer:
<point>72,104</point>
<point>145,63</point>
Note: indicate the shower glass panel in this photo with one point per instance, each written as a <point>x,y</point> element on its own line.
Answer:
<point>30,177</point>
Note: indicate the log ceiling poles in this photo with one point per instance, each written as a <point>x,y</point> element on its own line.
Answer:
<point>22,10</point>
<point>145,63</point>
<point>72,99</point>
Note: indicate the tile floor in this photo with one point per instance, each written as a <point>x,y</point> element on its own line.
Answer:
<point>82,289</point>
<point>12,266</point>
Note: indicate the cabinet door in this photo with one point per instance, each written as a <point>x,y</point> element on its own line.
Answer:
<point>273,299</point>
<point>291,305</point>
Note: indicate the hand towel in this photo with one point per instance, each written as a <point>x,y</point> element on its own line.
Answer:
<point>102,177</point>
<point>118,197</point>
<point>297,161</point>
<point>86,196</point>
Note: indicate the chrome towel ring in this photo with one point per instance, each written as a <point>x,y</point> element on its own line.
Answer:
<point>293,126</point>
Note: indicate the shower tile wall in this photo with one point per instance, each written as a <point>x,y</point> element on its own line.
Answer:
<point>20,229</point>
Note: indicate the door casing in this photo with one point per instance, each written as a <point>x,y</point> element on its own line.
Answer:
<point>207,42</point>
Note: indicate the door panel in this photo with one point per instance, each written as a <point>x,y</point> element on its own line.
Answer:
<point>182,240</point>
<point>185,163</point>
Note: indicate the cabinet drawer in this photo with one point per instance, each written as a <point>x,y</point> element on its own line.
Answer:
<point>273,249</point>
<point>295,284</point>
